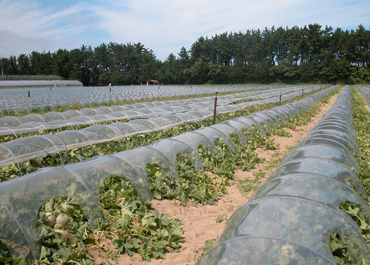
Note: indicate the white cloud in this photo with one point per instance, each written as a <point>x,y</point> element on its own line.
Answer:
<point>165,25</point>
<point>161,25</point>
<point>25,28</point>
<point>14,44</point>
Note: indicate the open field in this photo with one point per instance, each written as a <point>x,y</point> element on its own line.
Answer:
<point>165,191</point>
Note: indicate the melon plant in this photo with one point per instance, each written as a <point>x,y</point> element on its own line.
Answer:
<point>62,220</point>
<point>50,219</point>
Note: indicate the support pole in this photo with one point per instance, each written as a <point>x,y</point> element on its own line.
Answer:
<point>214,110</point>
<point>302,93</point>
<point>280,100</point>
<point>29,94</point>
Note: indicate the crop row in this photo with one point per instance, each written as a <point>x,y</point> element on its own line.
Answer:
<point>365,93</point>
<point>311,210</point>
<point>14,152</point>
<point>33,123</point>
<point>146,109</point>
<point>21,198</point>
<point>18,101</point>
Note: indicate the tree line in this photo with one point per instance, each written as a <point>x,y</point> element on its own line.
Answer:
<point>289,55</point>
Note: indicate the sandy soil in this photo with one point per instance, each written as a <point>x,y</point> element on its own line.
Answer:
<point>366,106</point>
<point>201,223</point>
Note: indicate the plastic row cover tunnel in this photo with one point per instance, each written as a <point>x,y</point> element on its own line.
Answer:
<point>43,99</point>
<point>31,147</point>
<point>290,218</point>
<point>52,120</point>
<point>17,100</point>
<point>21,198</point>
<point>365,93</point>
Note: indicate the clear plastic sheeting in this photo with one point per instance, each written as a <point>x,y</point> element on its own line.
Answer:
<point>36,146</point>
<point>194,140</point>
<point>89,116</point>
<point>171,148</point>
<point>70,139</point>
<point>240,126</point>
<point>323,141</point>
<point>42,99</point>
<point>21,198</point>
<point>229,130</point>
<point>278,115</point>
<point>262,121</point>
<point>262,250</point>
<point>301,221</point>
<point>333,131</point>
<point>299,205</point>
<point>213,134</point>
<point>252,123</point>
<point>365,93</point>
<point>341,156</point>
<point>92,172</point>
<point>12,232</point>
<point>314,187</point>
<point>268,117</point>
<point>336,138</point>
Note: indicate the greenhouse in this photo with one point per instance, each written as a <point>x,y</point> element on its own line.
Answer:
<point>39,83</point>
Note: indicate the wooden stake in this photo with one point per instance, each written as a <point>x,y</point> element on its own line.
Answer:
<point>214,110</point>
<point>280,100</point>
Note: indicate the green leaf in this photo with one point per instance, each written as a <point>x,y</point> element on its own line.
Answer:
<point>208,245</point>
<point>161,244</point>
<point>177,232</point>
<point>125,208</point>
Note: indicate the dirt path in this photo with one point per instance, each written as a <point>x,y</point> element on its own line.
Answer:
<point>201,223</point>
<point>366,106</point>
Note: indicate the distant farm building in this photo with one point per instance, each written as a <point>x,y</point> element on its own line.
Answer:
<point>38,83</point>
<point>152,82</point>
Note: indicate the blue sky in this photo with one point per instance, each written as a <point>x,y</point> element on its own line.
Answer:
<point>161,25</point>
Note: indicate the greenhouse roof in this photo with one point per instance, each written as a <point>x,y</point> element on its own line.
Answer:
<point>38,83</point>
